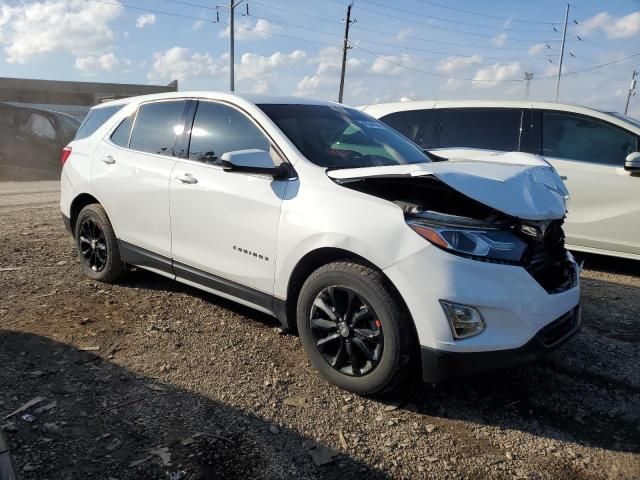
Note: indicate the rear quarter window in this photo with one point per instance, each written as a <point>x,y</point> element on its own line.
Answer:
<point>94,120</point>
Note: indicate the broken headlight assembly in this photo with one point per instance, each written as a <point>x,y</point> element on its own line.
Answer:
<point>468,237</point>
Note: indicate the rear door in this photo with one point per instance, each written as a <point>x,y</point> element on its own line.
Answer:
<point>589,153</point>
<point>131,173</point>
<point>224,224</point>
<point>462,131</point>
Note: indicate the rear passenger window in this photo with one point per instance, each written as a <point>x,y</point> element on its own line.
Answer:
<point>157,126</point>
<point>416,125</point>
<point>120,135</point>
<point>218,129</point>
<point>94,120</point>
<point>490,129</point>
<point>575,137</point>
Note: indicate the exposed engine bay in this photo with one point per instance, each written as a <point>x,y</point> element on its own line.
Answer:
<point>427,201</point>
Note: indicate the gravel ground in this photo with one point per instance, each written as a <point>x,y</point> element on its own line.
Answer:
<point>152,379</point>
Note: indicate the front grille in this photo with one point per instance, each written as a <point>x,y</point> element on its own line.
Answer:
<point>547,262</point>
<point>559,329</point>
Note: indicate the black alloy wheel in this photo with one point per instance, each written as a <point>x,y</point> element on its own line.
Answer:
<point>93,245</point>
<point>346,331</point>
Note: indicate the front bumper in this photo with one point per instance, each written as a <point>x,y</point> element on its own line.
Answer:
<point>440,365</point>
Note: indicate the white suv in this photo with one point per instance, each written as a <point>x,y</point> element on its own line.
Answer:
<point>334,223</point>
<point>596,153</point>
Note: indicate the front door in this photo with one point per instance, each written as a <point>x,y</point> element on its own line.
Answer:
<point>604,208</point>
<point>224,224</point>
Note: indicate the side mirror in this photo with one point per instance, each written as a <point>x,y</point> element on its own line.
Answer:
<point>632,162</point>
<point>252,161</point>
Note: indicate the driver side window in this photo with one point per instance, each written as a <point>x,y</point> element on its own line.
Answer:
<point>218,129</point>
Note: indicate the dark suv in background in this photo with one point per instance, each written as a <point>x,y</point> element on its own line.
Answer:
<point>31,140</point>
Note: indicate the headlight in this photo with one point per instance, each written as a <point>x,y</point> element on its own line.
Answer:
<point>486,243</point>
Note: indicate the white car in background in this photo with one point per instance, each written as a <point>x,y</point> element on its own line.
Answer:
<point>596,153</point>
<point>329,220</point>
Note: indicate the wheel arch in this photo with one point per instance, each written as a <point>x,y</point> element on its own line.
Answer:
<point>77,205</point>
<point>313,260</point>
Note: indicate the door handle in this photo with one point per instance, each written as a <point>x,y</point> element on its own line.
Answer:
<point>108,159</point>
<point>187,178</point>
<point>563,177</point>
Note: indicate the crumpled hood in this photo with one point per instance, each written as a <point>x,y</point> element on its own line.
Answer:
<point>522,191</point>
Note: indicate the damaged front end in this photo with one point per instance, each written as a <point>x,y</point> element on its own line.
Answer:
<point>468,228</point>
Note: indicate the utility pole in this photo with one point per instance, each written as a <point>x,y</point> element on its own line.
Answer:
<point>232,85</point>
<point>232,7</point>
<point>528,77</point>
<point>344,51</point>
<point>632,90</point>
<point>564,38</point>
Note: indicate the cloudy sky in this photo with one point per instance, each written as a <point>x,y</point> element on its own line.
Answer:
<point>421,49</point>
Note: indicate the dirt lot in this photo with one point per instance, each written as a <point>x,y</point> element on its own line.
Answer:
<point>151,379</point>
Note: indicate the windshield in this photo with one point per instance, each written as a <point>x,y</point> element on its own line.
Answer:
<point>338,137</point>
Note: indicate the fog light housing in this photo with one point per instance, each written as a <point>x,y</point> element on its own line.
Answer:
<point>465,321</point>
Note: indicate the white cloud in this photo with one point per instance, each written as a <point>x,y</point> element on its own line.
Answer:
<point>197,25</point>
<point>76,26</point>
<point>146,19</point>
<point>499,40</point>
<point>403,34</point>
<point>92,63</point>
<point>327,77</point>
<point>246,30</point>
<point>453,63</point>
<point>622,27</point>
<point>253,66</point>
<point>536,49</point>
<point>179,63</point>
<point>493,75</point>
<point>391,64</point>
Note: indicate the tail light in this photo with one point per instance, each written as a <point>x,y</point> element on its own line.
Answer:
<point>66,151</point>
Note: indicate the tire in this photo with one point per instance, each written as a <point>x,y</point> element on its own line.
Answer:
<point>102,261</point>
<point>377,309</point>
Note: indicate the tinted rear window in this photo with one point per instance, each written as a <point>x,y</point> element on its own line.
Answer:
<point>491,129</point>
<point>157,126</point>
<point>94,120</point>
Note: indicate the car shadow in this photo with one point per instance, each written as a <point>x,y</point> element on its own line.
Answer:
<point>579,392</point>
<point>100,420</point>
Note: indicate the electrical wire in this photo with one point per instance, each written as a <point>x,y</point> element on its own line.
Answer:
<point>433,74</point>
<point>458,22</point>
<point>461,10</point>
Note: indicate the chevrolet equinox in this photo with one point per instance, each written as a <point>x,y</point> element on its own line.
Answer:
<point>383,260</point>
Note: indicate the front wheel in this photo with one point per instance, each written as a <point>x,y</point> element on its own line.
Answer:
<point>354,328</point>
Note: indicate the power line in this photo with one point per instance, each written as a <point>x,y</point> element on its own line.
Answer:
<point>486,15</point>
<point>463,32</point>
<point>458,22</point>
<point>449,77</point>
<point>243,27</point>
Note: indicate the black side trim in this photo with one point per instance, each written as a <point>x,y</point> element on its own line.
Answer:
<point>223,285</point>
<point>440,366</point>
<point>135,255</point>
<point>67,224</point>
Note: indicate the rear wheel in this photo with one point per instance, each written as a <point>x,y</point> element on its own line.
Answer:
<point>97,245</point>
<point>354,328</point>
